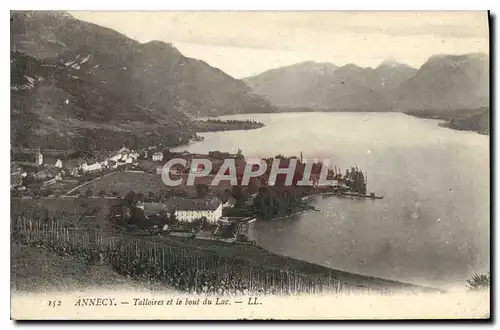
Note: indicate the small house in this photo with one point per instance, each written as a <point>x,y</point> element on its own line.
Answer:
<point>53,162</point>
<point>115,157</point>
<point>42,175</point>
<point>120,163</point>
<point>121,154</point>
<point>112,164</point>
<point>92,167</point>
<point>71,167</point>
<point>157,157</point>
<point>230,202</point>
<point>54,173</point>
<point>152,208</point>
<point>16,180</point>
<point>14,168</point>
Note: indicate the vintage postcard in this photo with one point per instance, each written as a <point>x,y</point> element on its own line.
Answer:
<point>185,165</point>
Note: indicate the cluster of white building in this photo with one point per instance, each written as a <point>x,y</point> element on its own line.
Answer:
<point>188,210</point>
<point>49,168</point>
<point>119,158</point>
<point>122,157</point>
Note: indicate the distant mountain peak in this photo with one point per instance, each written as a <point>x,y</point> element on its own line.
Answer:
<point>322,64</point>
<point>460,56</point>
<point>445,59</point>
<point>390,63</point>
<point>351,67</point>
<point>448,82</point>
<point>300,68</point>
<point>314,63</point>
<point>322,67</point>
<point>443,82</point>
<point>310,66</point>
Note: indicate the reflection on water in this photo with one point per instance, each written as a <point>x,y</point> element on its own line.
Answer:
<point>432,227</point>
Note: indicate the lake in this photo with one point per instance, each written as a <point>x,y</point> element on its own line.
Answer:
<point>431,227</point>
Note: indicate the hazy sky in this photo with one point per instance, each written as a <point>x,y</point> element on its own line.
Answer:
<point>247,43</point>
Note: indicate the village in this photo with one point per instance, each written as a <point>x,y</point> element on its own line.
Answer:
<point>182,212</point>
<point>116,210</point>
<point>130,180</point>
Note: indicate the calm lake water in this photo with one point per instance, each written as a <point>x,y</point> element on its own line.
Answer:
<point>431,228</point>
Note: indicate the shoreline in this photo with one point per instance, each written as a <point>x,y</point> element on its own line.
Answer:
<point>297,266</point>
<point>296,213</point>
<point>466,120</point>
<point>457,120</point>
<point>211,125</point>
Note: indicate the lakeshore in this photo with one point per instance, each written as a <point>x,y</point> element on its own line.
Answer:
<point>202,249</point>
<point>475,120</point>
<point>395,237</point>
<point>217,125</point>
<point>334,230</point>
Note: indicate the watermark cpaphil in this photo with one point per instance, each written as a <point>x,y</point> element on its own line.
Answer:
<point>286,172</point>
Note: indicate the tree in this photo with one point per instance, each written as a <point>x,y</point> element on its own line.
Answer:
<point>24,122</point>
<point>139,197</point>
<point>239,154</point>
<point>101,193</point>
<point>29,179</point>
<point>273,202</point>
<point>84,146</point>
<point>201,190</point>
<point>167,155</point>
<point>172,219</point>
<point>240,194</point>
<point>138,218</point>
<point>200,222</point>
<point>479,282</point>
<point>130,199</point>
<point>162,196</point>
<point>46,192</point>
<point>88,192</point>
<point>126,214</point>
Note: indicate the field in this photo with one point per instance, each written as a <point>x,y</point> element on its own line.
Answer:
<point>69,212</point>
<point>80,227</point>
<point>35,270</point>
<point>192,265</point>
<point>167,265</point>
<point>124,182</point>
<point>264,258</point>
<point>89,216</point>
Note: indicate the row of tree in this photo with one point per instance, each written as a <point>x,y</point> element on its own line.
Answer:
<point>479,282</point>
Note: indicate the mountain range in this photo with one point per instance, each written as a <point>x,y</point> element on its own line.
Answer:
<point>77,84</point>
<point>73,79</point>
<point>444,82</point>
